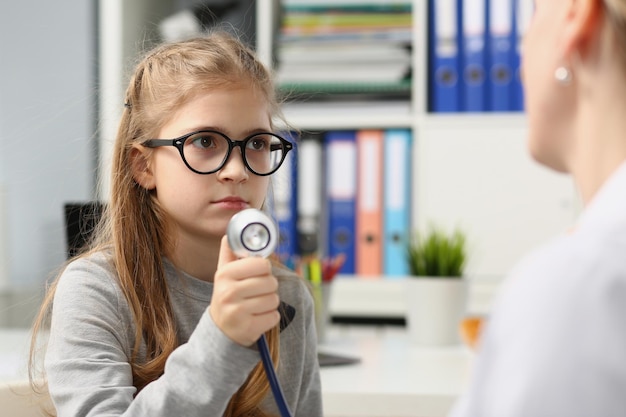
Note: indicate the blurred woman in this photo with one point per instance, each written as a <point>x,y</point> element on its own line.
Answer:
<point>555,343</point>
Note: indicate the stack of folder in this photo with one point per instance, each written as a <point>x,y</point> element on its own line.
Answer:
<point>345,47</point>
<point>348,193</point>
<point>474,54</point>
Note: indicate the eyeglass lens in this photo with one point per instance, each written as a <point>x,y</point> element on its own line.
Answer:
<point>207,152</point>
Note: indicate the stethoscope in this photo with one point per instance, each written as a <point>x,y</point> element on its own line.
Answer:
<point>251,232</point>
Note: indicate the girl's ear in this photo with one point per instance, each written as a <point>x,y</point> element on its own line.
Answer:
<point>140,164</point>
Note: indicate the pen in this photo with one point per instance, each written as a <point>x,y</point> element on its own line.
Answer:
<point>333,266</point>
<point>315,271</point>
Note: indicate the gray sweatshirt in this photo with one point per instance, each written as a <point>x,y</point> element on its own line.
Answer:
<point>92,334</point>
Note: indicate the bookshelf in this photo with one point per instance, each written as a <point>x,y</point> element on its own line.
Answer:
<point>469,169</point>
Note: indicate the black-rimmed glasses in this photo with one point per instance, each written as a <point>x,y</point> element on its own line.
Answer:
<point>206,151</point>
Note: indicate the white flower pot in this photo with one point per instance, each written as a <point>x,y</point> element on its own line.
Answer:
<point>435,308</point>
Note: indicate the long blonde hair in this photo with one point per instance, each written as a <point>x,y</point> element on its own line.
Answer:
<point>616,15</point>
<point>135,228</point>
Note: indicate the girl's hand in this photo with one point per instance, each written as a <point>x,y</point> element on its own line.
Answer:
<point>245,297</point>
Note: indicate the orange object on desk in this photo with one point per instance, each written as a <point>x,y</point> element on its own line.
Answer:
<point>470,330</point>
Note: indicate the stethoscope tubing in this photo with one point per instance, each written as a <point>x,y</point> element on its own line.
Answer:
<point>279,397</point>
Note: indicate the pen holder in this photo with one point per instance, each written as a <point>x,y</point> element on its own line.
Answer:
<point>321,297</point>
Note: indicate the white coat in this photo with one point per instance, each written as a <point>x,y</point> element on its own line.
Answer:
<point>555,342</point>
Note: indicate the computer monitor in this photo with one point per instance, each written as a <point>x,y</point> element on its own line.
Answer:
<point>80,221</point>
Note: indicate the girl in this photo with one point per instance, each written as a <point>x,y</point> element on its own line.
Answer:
<point>158,317</point>
<point>555,344</point>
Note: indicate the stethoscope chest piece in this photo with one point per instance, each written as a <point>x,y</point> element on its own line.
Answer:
<point>252,233</point>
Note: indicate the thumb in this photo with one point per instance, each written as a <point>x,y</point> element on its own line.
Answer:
<point>226,254</point>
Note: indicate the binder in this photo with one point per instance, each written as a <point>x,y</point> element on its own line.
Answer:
<point>474,79</point>
<point>284,189</point>
<point>444,64</point>
<point>309,194</point>
<point>341,196</point>
<point>523,14</point>
<point>397,198</point>
<point>369,219</point>
<point>502,42</point>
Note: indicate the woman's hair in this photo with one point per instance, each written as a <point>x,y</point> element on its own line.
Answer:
<point>134,228</point>
<point>616,15</point>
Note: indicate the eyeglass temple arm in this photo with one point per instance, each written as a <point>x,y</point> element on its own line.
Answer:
<point>276,147</point>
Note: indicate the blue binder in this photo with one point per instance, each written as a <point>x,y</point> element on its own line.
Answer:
<point>474,64</point>
<point>397,202</point>
<point>502,43</point>
<point>341,188</point>
<point>444,56</point>
<point>284,190</point>
<point>523,11</point>
<point>517,89</point>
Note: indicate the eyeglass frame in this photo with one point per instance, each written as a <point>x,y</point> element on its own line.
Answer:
<point>179,144</point>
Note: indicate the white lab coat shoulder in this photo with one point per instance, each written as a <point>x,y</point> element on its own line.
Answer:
<point>555,344</point>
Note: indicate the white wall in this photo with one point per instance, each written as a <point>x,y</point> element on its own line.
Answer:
<point>127,29</point>
<point>484,181</point>
<point>47,72</point>
<point>4,247</point>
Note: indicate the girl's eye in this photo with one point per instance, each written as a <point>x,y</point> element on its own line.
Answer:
<point>203,141</point>
<point>258,143</point>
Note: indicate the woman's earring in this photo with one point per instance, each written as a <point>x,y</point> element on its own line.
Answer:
<point>563,75</point>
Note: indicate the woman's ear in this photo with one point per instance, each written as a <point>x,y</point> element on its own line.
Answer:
<point>140,163</point>
<point>583,19</point>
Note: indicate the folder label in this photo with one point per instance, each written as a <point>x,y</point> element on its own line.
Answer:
<point>500,15</point>
<point>445,22</point>
<point>342,166</point>
<point>370,178</point>
<point>309,180</point>
<point>396,171</point>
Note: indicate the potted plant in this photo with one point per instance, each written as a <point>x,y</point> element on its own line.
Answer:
<point>436,289</point>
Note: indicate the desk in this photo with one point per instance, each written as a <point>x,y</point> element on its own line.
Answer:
<point>14,349</point>
<point>393,379</point>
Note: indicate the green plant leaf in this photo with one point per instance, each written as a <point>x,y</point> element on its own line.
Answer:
<point>437,254</point>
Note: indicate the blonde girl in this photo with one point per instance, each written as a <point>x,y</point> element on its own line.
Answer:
<point>158,317</point>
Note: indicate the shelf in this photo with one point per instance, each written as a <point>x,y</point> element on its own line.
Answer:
<point>325,115</point>
<point>349,115</point>
<point>493,120</point>
<point>340,89</point>
<point>383,297</point>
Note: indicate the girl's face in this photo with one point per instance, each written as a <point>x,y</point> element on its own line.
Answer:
<point>547,103</point>
<point>202,205</point>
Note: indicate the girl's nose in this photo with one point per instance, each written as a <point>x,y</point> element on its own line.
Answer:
<point>234,169</point>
